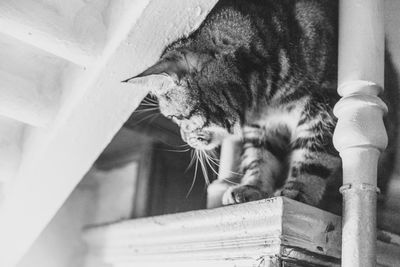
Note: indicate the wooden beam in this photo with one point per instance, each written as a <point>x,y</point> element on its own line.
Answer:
<point>21,101</point>
<point>49,26</point>
<point>271,232</point>
<point>29,83</point>
<point>56,158</point>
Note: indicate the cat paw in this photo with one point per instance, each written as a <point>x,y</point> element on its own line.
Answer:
<point>242,194</point>
<point>290,190</point>
<point>294,190</point>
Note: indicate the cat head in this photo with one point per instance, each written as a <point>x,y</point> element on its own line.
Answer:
<point>200,92</point>
<point>205,94</point>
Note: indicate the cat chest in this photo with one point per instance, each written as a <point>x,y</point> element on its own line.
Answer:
<point>277,122</point>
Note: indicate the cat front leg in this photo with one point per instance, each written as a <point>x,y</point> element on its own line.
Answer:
<point>259,166</point>
<point>309,174</point>
<point>314,163</point>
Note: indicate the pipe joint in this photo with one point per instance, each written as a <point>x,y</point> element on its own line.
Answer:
<point>361,187</point>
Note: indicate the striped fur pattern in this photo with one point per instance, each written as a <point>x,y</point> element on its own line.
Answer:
<point>265,70</point>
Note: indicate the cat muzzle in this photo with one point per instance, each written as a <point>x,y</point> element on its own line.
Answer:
<point>196,139</point>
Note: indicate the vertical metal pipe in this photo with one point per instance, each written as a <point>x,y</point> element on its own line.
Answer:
<point>360,134</point>
<point>229,158</point>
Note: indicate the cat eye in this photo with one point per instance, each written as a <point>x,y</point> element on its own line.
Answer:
<point>175,119</point>
<point>172,117</point>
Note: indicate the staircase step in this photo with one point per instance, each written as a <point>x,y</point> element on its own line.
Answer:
<point>29,82</point>
<point>271,232</point>
<point>56,158</point>
<point>73,30</point>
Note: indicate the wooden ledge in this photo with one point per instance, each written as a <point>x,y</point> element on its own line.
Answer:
<point>271,232</point>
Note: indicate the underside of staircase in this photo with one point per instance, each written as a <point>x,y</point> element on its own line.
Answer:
<point>61,99</point>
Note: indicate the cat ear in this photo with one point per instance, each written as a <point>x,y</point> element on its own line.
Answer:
<point>174,66</point>
<point>163,67</point>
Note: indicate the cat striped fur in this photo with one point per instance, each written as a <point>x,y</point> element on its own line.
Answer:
<point>264,70</point>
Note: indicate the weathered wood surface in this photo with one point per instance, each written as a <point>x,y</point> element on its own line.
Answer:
<point>271,232</point>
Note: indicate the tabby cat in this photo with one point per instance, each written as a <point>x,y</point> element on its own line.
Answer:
<point>265,70</point>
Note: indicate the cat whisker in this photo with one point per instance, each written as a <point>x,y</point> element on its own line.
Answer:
<point>145,110</point>
<point>209,163</point>
<point>153,118</point>
<point>203,166</point>
<point>192,160</point>
<point>148,117</point>
<point>183,146</point>
<point>210,159</point>
<point>216,162</point>
<point>235,173</point>
<point>177,150</point>
<point>149,99</point>
<point>149,106</point>
<point>207,158</point>
<point>147,102</point>
<point>194,175</point>
<point>229,181</point>
<point>212,155</point>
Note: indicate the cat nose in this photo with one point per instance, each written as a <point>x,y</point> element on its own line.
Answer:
<point>197,141</point>
<point>188,127</point>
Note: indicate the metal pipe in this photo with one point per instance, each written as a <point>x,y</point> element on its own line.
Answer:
<point>360,135</point>
<point>227,173</point>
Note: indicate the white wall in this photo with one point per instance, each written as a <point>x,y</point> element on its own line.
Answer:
<point>102,196</point>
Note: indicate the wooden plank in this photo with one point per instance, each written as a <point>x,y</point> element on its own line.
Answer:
<point>251,234</point>
<point>28,93</point>
<point>49,27</point>
<point>271,232</point>
<point>20,100</point>
<point>78,31</point>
